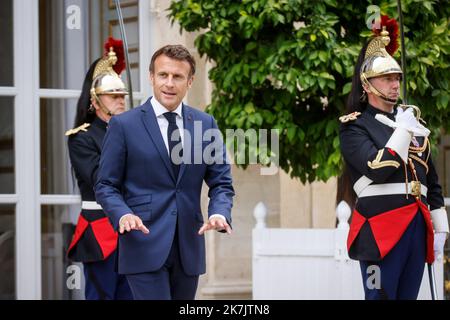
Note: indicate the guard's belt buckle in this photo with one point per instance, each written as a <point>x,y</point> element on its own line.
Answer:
<point>415,188</point>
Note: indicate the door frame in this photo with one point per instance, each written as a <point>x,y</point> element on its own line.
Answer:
<point>27,93</point>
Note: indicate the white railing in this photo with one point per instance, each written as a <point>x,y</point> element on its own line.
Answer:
<point>447,202</point>
<point>294,264</point>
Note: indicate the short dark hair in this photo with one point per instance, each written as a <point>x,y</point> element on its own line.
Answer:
<point>177,52</point>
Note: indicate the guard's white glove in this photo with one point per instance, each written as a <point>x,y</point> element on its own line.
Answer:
<point>425,130</point>
<point>439,243</point>
<point>405,120</point>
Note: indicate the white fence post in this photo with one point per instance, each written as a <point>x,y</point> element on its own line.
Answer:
<point>260,214</point>
<point>258,234</point>
<point>343,213</point>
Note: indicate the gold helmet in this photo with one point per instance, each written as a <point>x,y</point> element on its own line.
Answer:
<point>377,60</point>
<point>105,79</point>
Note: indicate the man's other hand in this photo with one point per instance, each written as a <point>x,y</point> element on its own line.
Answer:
<point>215,223</point>
<point>131,222</point>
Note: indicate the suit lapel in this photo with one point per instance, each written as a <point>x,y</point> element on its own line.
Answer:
<point>188,123</point>
<point>152,127</point>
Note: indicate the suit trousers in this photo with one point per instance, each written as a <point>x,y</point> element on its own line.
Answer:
<point>170,282</point>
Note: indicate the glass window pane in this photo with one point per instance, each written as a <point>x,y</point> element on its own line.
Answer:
<point>7,181</point>
<point>7,252</point>
<point>57,116</point>
<point>57,226</point>
<point>72,34</point>
<point>6,44</point>
<point>61,66</point>
<point>131,22</point>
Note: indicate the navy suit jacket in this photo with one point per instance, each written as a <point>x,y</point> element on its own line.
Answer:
<point>135,176</point>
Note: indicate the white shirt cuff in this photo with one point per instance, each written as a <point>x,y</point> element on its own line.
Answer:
<point>216,215</point>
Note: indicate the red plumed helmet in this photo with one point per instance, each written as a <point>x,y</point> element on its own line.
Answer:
<point>391,27</point>
<point>117,45</point>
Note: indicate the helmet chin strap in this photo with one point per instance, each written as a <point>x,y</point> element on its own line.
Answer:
<point>102,106</point>
<point>377,92</point>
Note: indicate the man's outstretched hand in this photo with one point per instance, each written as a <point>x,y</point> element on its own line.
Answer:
<point>215,223</point>
<point>131,222</point>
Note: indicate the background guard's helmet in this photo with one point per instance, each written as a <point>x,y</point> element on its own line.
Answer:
<point>105,79</point>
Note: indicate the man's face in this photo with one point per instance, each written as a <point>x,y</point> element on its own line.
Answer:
<point>170,80</point>
<point>388,84</point>
<point>115,103</point>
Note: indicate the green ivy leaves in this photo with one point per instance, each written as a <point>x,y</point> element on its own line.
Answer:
<point>287,64</point>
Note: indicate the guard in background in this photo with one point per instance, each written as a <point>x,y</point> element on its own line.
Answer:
<point>94,242</point>
<point>399,221</point>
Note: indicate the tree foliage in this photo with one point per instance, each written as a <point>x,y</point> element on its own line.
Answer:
<point>287,64</point>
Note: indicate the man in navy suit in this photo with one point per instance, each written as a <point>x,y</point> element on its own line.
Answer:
<point>150,180</point>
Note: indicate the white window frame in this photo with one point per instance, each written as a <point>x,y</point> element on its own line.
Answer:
<point>27,93</point>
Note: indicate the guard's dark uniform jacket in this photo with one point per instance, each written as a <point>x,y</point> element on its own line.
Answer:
<point>94,238</point>
<point>379,220</point>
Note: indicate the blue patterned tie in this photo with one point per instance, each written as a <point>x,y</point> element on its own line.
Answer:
<point>171,116</point>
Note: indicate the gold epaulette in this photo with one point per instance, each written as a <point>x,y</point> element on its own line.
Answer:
<point>349,117</point>
<point>83,127</point>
